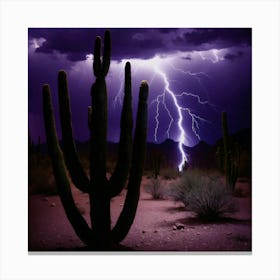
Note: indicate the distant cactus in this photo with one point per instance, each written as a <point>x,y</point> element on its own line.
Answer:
<point>131,156</point>
<point>156,158</point>
<point>185,166</point>
<point>230,154</point>
<point>220,159</point>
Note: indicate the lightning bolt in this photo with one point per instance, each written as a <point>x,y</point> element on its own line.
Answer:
<point>167,99</point>
<point>179,111</point>
<point>119,96</point>
<point>118,99</point>
<point>212,55</point>
<point>195,119</point>
<point>196,75</point>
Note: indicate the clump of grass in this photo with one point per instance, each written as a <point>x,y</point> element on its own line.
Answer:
<point>203,194</point>
<point>155,188</point>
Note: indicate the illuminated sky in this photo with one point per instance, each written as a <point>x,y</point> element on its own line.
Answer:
<point>193,74</point>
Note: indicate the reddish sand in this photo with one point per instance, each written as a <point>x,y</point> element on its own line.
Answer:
<point>152,230</point>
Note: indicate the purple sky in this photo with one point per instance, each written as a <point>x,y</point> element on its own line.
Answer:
<point>205,70</point>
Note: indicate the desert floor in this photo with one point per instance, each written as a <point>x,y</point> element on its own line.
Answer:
<point>154,227</point>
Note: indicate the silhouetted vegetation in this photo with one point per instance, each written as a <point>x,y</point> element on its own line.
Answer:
<point>155,188</point>
<point>131,155</point>
<point>204,194</point>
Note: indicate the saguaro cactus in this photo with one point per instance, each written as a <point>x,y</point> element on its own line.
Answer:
<point>99,235</point>
<point>156,158</point>
<point>230,154</point>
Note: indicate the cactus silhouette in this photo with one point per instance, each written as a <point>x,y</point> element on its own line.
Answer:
<point>156,158</point>
<point>230,155</point>
<point>131,155</point>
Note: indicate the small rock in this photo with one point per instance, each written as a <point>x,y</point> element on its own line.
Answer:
<point>179,226</point>
<point>174,227</point>
<point>45,199</point>
<point>229,233</point>
<point>121,204</point>
<point>53,204</point>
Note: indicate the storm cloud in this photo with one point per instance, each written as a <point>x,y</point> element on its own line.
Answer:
<point>128,43</point>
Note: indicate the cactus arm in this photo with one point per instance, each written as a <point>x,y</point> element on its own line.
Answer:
<point>118,178</point>
<point>106,53</point>
<point>138,157</point>
<point>97,57</point>
<point>77,221</point>
<point>79,178</point>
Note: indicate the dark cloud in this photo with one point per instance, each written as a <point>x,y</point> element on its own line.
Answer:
<point>204,39</point>
<point>187,57</point>
<point>232,56</point>
<point>167,30</point>
<point>76,43</point>
<point>127,43</point>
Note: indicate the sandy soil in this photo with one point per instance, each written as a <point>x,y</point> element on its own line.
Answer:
<point>153,228</point>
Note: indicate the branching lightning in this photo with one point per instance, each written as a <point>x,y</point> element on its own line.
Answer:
<point>119,96</point>
<point>168,99</point>
<point>195,119</point>
<point>180,120</point>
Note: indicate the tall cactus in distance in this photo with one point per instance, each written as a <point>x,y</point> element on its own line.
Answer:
<point>99,235</point>
<point>231,155</point>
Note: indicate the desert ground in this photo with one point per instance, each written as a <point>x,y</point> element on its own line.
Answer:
<point>160,225</point>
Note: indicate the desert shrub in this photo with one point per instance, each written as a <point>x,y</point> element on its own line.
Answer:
<point>238,192</point>
<point>110,166</point>
<point>245,167</point>
<point>203,194</point>
<point>41,181</point>
<point>169,173</point>
<point>40,177</point>
<point>155,188</point>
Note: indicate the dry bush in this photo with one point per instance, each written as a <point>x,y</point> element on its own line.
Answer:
<point>41,180</point>
<point>155,188</point>
<point>203,194</point>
